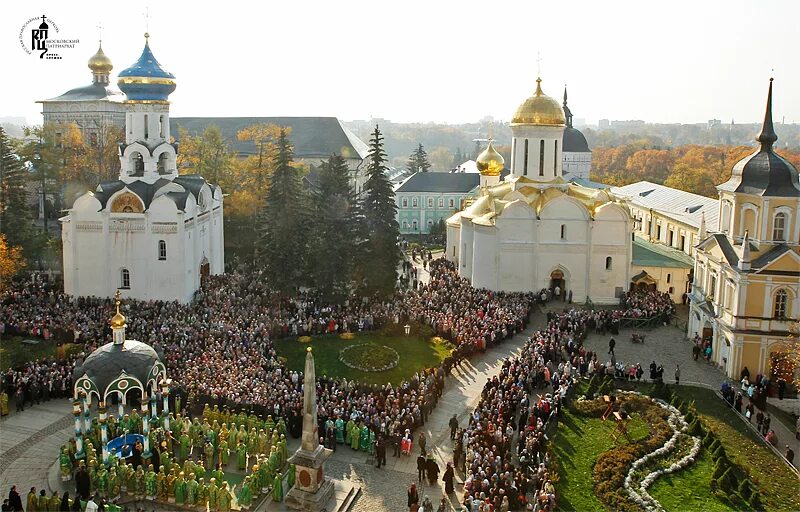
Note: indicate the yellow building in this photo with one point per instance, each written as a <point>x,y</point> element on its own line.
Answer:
<point>747,274</point>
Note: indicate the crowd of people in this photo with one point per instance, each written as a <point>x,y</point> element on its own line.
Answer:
<point>517,406</point>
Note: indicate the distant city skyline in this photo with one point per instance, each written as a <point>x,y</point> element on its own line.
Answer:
<point>445,62</point>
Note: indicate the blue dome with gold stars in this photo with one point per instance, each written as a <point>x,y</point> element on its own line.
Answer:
<point>146,81</point>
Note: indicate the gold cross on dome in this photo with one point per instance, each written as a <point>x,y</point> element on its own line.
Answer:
<point>538,64</point>
<point>100,32</point>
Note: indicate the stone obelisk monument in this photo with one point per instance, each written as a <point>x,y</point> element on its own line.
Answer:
<point>312,489</point>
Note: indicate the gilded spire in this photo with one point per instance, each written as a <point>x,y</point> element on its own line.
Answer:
<point>767,137</point>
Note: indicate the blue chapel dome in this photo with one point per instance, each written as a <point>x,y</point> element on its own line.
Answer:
<point>146,80</point>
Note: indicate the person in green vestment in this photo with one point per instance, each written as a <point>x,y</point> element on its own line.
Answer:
<point>163,460</point>
<point>139,479</point>
<point>200,471</point>
<point>102,481</point>
<point>161,485</point>
<point>42,502</point>
<point>364,439</point>
<point>180,489</point>
<point>273,462</point>
<point>223,451</point>
<point>151,483</point>
<point>273,440</point>
<point>213,494</point>
<point>191,490</point>
<point>113,484</point>
<point>244,497</point>
<point>355,435</point>
<point>224,498</point>
<point>291,474</point>
<point>283,451</point>
<point>208,450</point>
<point>263,477</point>
<point>281,426</point>
<point>348,430</point>
<point>262,442</point>
<point>65,464</point>
<point>218,473</point>
<point>339,424</point>
<point>232,432</point>
<point>124,477</point>
<point>202,493</point>
<point>184,449</point>
<point>277,488</point>
<point>241,456</point>
<point>252,442</point>
<point>371,442</point>
<point>170,483</point>
<point>241,436</point>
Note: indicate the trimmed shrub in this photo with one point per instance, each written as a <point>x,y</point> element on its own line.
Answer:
<point>726,481</point>
<point>755,500</point>
<point>745,490</point>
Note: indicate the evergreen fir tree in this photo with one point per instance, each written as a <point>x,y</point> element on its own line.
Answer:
<point>282,221</point>
<point>418,160</point>
<point>380,253</point>
<point>334,230</point>
<point>15,212</point>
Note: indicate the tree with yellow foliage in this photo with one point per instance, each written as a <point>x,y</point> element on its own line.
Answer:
<point>11,262</point>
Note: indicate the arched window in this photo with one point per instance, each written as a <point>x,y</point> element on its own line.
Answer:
<point>608,263</point>
<point>138,163</point>
<point>146,127</point>
<point>451,203</point>
<point>779,227</point>
<point>555,156</point>
<point>162,250</point>
<point>563,231</point>
<point>405,225</point>
<point>414,202</point>
<point>162,163</point>
<point>414,224</point>
<point>405,202</point>
<point>669,278</point>
<point>125,278</point>
<point>441,202</point>
<point>781,304</point>
<point>161,123</point>
<point>430,202</point>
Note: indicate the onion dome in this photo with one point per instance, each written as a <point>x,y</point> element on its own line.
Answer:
<point>764,173</point>
<point>539,109</point>
<point>118,320</point>
<point>490,162</point>
<point>146,81</point>
<point>573,140</point>
<point>100,64</point>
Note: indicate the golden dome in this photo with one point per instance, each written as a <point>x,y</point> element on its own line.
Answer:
<point>118,320</point>
<point>539,109</point>
<point>490,162</point>
<point>100,63</point>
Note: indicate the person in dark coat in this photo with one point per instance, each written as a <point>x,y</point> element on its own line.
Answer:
<point>421,467</point>
<point>448,479</point>
<point>432,469</point>
<point>82,482</point>
<point>453,426</point>
<point>14,499</point>
<point>413,495</point>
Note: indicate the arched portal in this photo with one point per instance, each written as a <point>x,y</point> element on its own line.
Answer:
<point>558,283</point>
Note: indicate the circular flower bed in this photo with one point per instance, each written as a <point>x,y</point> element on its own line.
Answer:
<point>369,358</point>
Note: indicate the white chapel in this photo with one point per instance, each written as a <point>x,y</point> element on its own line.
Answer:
<point>536,230</point>
<point>151,233</point>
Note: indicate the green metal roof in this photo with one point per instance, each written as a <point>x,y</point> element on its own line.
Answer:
<point>648,254</point>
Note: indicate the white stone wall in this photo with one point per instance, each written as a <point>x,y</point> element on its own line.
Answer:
<point>577,165</point>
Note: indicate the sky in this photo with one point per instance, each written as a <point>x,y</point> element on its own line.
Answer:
<point>427,61</point>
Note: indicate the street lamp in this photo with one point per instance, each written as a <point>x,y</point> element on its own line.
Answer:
<point>407,329</point>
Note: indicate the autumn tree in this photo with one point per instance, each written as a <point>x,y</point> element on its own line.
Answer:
<point>380,254</point>
<point>208,155</point>
<point>786,359</point>
<point>334,234</point>
<point>282,223</point>
<point>11,262</point>
<point>102,152</point>
<point>692,179</point>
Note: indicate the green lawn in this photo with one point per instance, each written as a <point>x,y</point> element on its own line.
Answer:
<point>689,489</point>
<point>414,355</point>
<point>14,353</point>
<point>580,440</point>
<point>578,443</point>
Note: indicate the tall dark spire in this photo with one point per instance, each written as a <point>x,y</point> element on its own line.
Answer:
<point>767,137</point>
<point>567,111</point>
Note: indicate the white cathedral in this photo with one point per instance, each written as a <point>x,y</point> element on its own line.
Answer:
<point>152,233</point>
<point>535,229</point>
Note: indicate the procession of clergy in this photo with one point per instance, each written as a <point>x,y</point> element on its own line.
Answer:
<point>189,461</point>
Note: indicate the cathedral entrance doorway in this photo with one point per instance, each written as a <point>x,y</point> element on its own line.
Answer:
<point>205,269</point>
<point>558,284</point>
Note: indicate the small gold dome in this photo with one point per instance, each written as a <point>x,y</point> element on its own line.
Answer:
<point>118,320</point>
<point>539,109</point>
<point>100,63</point>
<point>490,162</point>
